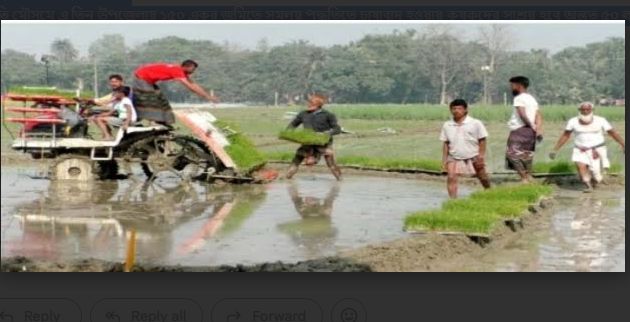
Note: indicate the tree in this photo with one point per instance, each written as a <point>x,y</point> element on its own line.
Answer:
<point>109,55</point>
<point>210,56</point>
<point>497,39</point>
<point>63,50</point>
<point>443,53</point>
<point>400,67</point>
<point>290,68</point>
<point>19,69</point>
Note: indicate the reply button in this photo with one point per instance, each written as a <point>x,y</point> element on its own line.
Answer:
<point>39,310</point>
<point>267,310</point>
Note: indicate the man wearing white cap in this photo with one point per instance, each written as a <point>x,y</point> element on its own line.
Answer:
<point>589,153</point>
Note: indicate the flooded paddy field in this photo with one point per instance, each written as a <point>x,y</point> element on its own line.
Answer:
<point>586,233</point>
<point>312,221</point>
<point>310,217</point>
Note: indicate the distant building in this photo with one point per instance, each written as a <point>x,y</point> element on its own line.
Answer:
<point>612,102</point>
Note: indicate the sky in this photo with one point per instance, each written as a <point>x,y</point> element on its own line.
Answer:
<point>36,38</point>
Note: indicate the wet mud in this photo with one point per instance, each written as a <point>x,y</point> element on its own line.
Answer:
<point>571,232</point>
<point>331,264</point>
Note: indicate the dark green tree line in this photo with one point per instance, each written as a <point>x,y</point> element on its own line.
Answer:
<point>401,67</point>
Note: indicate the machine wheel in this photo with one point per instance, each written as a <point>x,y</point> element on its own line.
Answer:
<point>72,167</point>
<point>178,156</point>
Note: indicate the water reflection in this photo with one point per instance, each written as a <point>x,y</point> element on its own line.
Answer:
<point>201,225</point>
<point>96,220</point>
<point>588,236</point>
<point>314,231</point>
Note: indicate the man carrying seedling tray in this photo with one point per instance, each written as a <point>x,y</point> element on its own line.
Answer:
<point>319,127</point>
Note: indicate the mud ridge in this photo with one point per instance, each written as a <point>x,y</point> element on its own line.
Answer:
<point>329,264</point>
<point>435,252</point>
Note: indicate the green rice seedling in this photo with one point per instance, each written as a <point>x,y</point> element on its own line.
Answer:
<point>469,222</point>
<point>529,193</point>
<point>616,168</point>
<point>369,162</point>
<point>554,167</point>
<point>567,167</point>
<point>279,156</point>
<point>241,149</point>
<point>479,213</point>
<point>48,91</point>
<point>305,136</point>
<point>503,208</point>
<point>385,163</point>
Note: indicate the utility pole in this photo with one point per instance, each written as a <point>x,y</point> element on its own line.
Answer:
<point>485,70</point>
<point>95,78</point>
<point>46,62</point>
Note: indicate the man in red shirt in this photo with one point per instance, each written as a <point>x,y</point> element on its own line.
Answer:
<point>150,102</point>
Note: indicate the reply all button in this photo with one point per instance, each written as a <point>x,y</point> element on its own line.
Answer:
<point>267,310</point>
<point>146,310</point>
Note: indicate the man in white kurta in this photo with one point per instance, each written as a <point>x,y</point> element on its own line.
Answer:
<point>589,152</point>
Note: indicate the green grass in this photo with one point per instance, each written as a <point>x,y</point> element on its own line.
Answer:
<point>500,113</point>
<point>566,167</point>
<point>48,91</point>
<point>429,165</point>
<point>368,162</point>
<point>241,149</point>
<point>305,136</point>
<point>385,163</point>
<point>479,213</point>
<point>415,137</point>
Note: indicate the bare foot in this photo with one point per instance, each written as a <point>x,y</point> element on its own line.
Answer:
<point>588,188</point>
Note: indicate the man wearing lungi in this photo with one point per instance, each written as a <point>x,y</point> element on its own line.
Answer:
<point>525,130</point>
<point>150,102</point>
<point>589,152</point>
<point>316,118</point>
<point>464,149</point>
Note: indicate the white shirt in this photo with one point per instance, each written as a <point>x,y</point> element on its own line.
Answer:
<point>531,107</point>
<point>463,139</point>
<point>120,107</point>
<point>590,135</point>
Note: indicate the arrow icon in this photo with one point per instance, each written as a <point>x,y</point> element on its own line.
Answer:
<point>234,317</point>
<point>6,317</point>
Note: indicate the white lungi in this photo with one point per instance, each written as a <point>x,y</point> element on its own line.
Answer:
<point>594,165</point>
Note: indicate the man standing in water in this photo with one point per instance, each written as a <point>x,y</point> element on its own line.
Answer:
<point>525,130</point>
<point>150,102</point>
<point>589,153</point>
<point>464,149</point>
<point>318,119</point>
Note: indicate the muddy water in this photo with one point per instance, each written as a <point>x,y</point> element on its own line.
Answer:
<point>586,233</point>
<point>195,225</point>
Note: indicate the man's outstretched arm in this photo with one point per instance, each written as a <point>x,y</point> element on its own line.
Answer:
<point>195,88</point>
